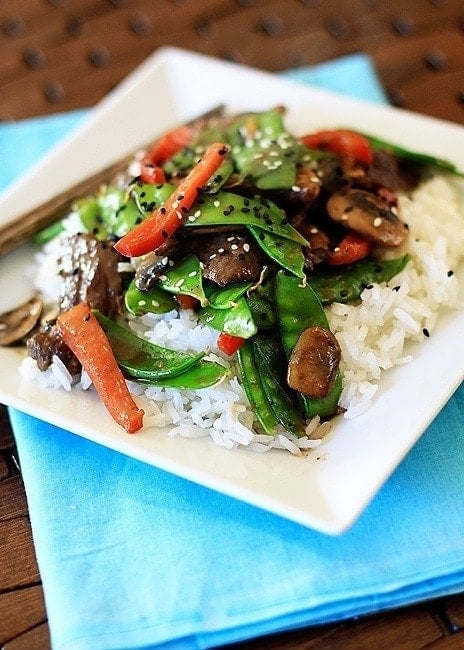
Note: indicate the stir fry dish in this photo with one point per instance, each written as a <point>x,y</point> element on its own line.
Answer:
<point>257,231</point>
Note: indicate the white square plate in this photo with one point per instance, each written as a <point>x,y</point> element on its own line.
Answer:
<point>326,490</point>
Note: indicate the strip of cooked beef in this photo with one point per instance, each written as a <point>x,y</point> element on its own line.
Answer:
<point>89,269</point>
<point>230,258</point>
<point>47,343</point>
<point>154,264</point>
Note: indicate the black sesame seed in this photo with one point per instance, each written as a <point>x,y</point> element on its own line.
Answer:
<point>87,317</point>
<point>426,332</point>
<point>164,234</point>
<point>397,288</point>
<point>450,273</point>
<point>163,210</point>
<point>245,210</point>
<point>344,293</point>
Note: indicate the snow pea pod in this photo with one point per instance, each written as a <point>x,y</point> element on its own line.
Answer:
<point>226,297</point>
<point>263,150</point>
<point>236,320</point>
<point>270,362</point>
<point>346,284</point>
<point>253,388</point>
<point>185,278</point>
<point>186,158</point>
<point>113,211</point>
<point>287,253</point>
<point>298,308</point>
<point>439,164</point>
<point>152,301</point>
<point>262,310</point>
<point>226,208</point>
<point>141,359</point>
<point>203,375</point>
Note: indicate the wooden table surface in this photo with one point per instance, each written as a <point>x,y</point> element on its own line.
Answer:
<point>65,54</point>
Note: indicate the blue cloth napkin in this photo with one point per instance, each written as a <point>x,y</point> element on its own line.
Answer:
<point>134,557</point>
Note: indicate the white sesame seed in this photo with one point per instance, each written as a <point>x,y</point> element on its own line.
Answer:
<point>164,260</point>
<point>163,278</point>
<point>231,238</point>
<point>197,214</point>
<point>155,303</point>
<point>211,257</point>
<point>216,204</point>
<point>337,249</point>
<point>192,217</point>
<point>175,205</point>
<point>344,217</point>
<point>296,188</point>
<point>220,250</point>
<point>314,231</point>
<point>234,247</point>
<point>179,214</point>
<point>192,274</point>
<point>180,282</point>
<point>142,303</point>
<point>377,222</point>
<point>246,247</point>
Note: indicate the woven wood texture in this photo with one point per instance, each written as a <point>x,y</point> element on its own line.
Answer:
<point>63,54</point>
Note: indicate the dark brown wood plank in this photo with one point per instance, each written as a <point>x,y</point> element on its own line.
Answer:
<point>37,638</point>
<point>18,563</point>
<point>12,499</point>
<point>20,611</point>
<point>454,610</point>
<point>454,642</point>
<point>59,56</point>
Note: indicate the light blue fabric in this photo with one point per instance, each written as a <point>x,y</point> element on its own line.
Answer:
<point>133,557</point>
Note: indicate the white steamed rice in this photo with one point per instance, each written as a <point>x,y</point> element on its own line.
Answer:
<point>373,335</point>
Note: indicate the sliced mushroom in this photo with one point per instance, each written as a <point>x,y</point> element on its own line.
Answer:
<point>307,186</point>
<point>318,250</point>
<point>367,214</point>
<point>314,362</point>
<point>16,324</point>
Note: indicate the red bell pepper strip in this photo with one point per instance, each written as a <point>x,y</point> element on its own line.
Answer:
<point>187,302</point>
<point>168,145</point>
<point>164,221</point>
<point>229,344</point>
<point>353,247</point>
<point>347,144</point>
<point>152,174</point>
<point>84,335</point>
